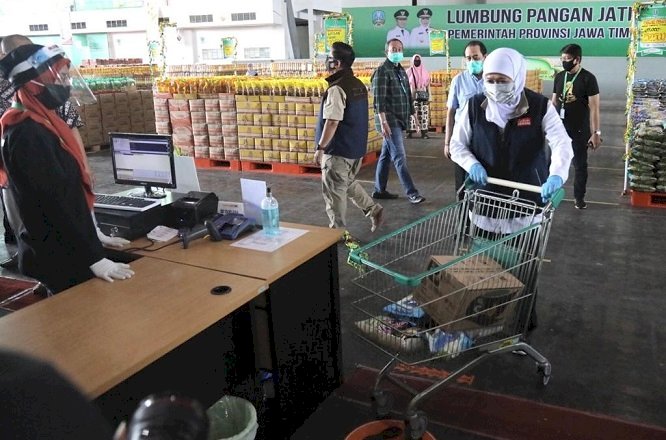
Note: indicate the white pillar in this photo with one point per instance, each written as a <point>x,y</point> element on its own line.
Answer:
<point>311,33</point>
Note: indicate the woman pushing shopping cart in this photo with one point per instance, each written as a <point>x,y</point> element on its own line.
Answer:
<point>456,286</point>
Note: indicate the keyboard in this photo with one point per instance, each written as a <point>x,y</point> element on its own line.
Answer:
<point>125,203</point>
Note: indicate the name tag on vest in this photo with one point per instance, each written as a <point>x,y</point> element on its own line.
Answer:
<point>524,122</point>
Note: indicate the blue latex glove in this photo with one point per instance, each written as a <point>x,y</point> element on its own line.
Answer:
<point>548,189</point>
<point>478,174</point>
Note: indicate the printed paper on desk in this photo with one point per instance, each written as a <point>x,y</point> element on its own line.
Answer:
<point>269,243</point>
<point>253,192</point>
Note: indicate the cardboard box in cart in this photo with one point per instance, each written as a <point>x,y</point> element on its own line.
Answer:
<point>475,285</point>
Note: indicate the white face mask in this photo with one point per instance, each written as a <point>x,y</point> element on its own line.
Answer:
<point>501,93</point>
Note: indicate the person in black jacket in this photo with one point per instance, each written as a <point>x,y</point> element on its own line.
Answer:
<point>43,169</point>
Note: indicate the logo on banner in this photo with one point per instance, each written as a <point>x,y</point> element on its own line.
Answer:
<point>378,18</point>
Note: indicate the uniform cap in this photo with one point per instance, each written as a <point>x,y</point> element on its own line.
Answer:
<point>425,12</point>
<point>401,13</point>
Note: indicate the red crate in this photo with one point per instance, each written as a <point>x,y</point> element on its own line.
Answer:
<point>648,199</point>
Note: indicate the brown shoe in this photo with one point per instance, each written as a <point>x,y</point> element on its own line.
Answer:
<point>377,218</point>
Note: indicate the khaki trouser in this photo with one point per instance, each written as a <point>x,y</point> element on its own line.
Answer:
<point>338,181</point>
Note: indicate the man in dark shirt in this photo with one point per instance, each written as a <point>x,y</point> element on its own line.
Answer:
<point>393,106</point>
<point>576,98</point>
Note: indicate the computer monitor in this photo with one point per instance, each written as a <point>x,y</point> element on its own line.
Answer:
<point>143,159</point>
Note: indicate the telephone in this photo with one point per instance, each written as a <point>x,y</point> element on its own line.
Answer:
<point>228,226</point>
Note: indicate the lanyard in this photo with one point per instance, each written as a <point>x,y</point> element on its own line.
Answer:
<point>402,86</point>
<point>564,85</point>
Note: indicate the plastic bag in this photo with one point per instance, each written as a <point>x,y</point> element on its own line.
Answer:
<point>232,418</point>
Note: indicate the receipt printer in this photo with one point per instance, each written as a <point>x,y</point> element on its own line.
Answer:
<point>192,209</point>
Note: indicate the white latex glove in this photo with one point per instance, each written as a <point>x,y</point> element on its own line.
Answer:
<point>109,270</point>
<point>111,241</point>
<point>105,239</point>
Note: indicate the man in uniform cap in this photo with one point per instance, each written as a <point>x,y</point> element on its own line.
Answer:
<point>419,35</point>
<point>399,32</point>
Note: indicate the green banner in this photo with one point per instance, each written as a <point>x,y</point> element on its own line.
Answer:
<point>335,29</point>
<point>320,45</point>
<point>651,26</point>
<point>229,47</point>
<point>601,28</point>
<point>437,42</point>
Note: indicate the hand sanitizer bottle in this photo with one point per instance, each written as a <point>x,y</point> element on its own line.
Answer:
<point>270,214</point>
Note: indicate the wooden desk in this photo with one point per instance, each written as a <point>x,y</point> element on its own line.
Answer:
<point>119,341</point>
<point>100,333</point>
<point>269,266</point>
<point>296,324</point>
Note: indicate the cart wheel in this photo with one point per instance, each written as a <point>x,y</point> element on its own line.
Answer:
<point>416,425</point>
<point>382,403</point>
<point>544,370</point>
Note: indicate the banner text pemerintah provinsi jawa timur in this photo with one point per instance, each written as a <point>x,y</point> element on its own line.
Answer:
<point>601,28</point>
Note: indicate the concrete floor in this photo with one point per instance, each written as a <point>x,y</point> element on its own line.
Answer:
<point>602,320</point>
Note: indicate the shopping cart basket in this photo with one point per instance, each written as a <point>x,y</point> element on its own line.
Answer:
<point>455,286</point>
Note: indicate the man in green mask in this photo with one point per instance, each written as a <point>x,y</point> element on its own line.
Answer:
<point>463,86</point>
<point>393,106</point>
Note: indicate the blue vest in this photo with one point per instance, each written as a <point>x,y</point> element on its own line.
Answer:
<point>519,154</point>
<point>351,137</point>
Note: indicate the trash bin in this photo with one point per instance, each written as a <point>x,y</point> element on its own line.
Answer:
<point>375,429</point>
<point>232,418</point>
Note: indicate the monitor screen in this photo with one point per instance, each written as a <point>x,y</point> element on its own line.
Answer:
<point>143,159</point>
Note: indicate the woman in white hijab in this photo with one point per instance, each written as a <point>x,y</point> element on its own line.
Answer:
<point>507,132</point>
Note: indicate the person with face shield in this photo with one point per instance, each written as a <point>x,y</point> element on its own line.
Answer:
<point>342,139</point>
<point>67,113</point>
<point>393,105</point>
<point>464,85</point>
<point>43,167</point>
<point>419,84</point>
<point>511,133</point>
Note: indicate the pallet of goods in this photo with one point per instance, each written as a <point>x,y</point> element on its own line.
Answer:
<point>647,153</point>
<point>259,123</point>
<point>119,111</point>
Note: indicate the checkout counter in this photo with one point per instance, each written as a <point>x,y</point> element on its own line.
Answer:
<point>172,326</point>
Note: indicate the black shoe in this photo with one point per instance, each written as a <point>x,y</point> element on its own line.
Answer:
<point>416,199</point>
<point>580,204</point>
<point>11,262</point>
<point>384,195</point>
<point>425,136</point>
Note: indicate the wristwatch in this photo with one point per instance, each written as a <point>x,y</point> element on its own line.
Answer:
<point>597,132</point>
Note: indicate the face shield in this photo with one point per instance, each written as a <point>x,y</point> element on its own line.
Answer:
<point>55,73</point>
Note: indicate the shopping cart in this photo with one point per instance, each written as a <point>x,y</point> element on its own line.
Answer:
<point>456,286</point>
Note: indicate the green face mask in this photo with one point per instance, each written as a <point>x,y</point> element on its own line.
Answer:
<point>395,57</point>
<point>475,67</point>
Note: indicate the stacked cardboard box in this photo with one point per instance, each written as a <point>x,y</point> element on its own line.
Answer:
<point>229,126</point>
<point>213,127</point>
<point>91,132</point>
<point>116,112</point>
<point>181,126</point>
<point>474,294</point>
<point>161,113</point>
<point>276,128</point>
<point>107,104</point>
